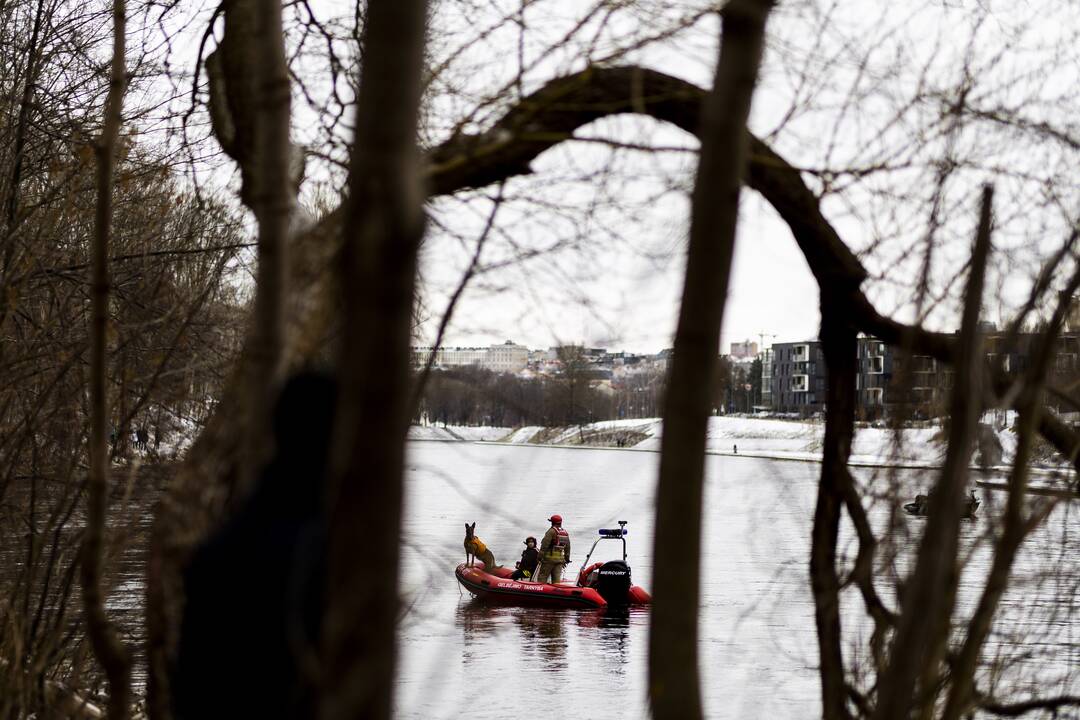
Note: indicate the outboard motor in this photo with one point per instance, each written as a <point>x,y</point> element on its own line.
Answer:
<point>613,582</point>
<point>612,578</point>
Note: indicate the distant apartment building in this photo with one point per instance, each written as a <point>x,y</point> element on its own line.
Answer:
<point>920,382</point>
<point>874,372</point>
<point>598,364</point>
<point>744,350</point>
<point>797,379</point>
<point>888,382</point>
<point>662,360</point>
<point>451,356</point>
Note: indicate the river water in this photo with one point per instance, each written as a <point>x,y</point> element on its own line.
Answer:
<point>757,637</point>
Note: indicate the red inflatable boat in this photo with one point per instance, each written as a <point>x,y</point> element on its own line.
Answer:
<point>497,588</point>
<point>598,585</point>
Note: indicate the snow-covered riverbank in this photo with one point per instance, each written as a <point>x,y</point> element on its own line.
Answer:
<point>759,437</point>
<point>916,447</point>
<point>458,433</point>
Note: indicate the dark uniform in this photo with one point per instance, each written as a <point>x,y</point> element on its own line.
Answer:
<point>530,556</point>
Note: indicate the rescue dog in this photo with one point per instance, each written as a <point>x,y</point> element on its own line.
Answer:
<point>475,548</point>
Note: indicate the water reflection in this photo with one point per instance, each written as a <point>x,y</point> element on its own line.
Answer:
<point>612,635</point>
<point>546,637</point>
<point>543,635</point>
<point>541,632</point>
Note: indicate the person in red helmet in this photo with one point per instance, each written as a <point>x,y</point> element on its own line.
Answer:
<point>554,551</point>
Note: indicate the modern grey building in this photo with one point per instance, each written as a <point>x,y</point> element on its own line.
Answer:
<point>874,374</point>
<point>797,384</point>
<point>887,382</point>
<point>798,381</point>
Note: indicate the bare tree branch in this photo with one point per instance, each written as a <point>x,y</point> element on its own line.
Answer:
<point>451,305</point>
<point>272,200</point>
<point>552,113</point>
<point>928,599</point>
<point>1016,526</point>
<point>1017,709</point>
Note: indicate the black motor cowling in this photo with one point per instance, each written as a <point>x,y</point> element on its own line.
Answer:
<point>613,581</point>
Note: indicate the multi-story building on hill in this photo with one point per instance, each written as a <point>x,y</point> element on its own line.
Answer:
<point>747,349</point>
<point>508,357</point>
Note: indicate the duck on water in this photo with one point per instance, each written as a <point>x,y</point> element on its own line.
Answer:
<point>923,505</point>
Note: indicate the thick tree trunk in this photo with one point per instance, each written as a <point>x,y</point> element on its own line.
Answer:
<point>923,628</point>
<point>383,228</point>
<point>673,671</point>
<point>106,643</point>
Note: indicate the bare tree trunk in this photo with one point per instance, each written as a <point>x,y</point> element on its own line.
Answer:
<point>838,339</point>
<point>272,203</point>
<point>923,628</point>
<point>674,690</point>
<point>384,226</point>
<point>107,646</point>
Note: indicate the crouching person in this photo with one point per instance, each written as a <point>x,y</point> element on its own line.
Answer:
<point>530,556</point>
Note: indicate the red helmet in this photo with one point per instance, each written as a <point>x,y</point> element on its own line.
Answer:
<point>557,519</point>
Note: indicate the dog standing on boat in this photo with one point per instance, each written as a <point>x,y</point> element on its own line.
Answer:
<point>475,547</point>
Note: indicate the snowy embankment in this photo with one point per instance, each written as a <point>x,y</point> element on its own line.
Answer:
<point>767,437</point>
<point>453,433</point>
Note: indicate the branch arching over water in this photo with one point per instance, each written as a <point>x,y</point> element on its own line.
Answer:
<point>550,116</point>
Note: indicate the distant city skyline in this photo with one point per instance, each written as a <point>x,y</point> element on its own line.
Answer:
<point>458,353</point>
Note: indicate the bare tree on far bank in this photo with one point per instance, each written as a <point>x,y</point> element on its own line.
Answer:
<point>474,396</point>
<point>73,173</point>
